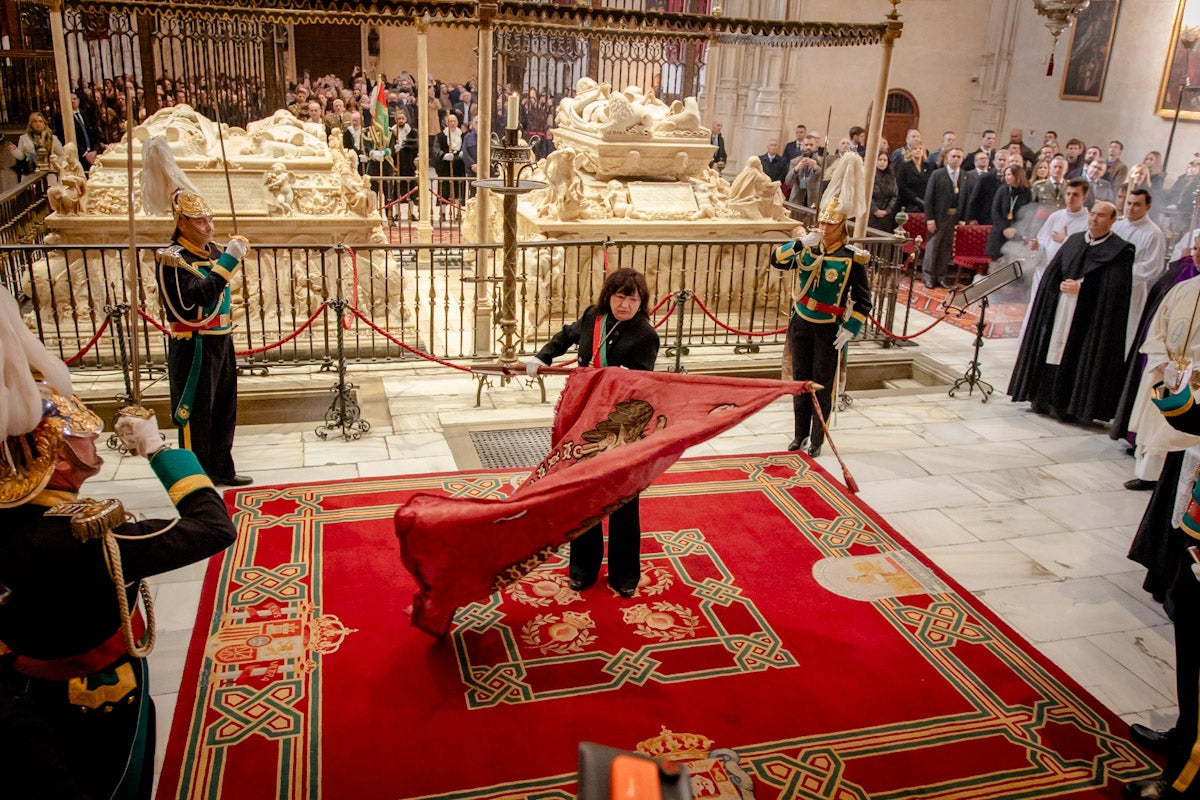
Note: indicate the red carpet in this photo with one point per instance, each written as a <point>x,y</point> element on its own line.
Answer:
<point>1003,320</point>
<point>786,636</point>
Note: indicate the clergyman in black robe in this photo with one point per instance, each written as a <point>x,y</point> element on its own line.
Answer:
<point>1085,384</point>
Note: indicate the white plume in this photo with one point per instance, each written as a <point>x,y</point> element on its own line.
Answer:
<point>848,184</point>
<point>161,176</point>
<point>20,354</point>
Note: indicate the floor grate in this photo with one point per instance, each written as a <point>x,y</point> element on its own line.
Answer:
<point>516,447</point>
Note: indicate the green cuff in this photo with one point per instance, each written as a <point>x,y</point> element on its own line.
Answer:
<point>228,262</point>
<point>783,254</point>
<point>1176,404</point>
<point>180,473</point>
<point>854,324</point>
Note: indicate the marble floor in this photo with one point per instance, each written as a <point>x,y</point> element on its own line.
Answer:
<point>1028,514</point>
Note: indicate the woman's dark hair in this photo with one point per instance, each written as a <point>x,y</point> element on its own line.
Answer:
<point>625,281</point>
<point>1018,173</point>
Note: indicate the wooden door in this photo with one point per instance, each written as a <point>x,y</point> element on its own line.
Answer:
<point>902,114</point>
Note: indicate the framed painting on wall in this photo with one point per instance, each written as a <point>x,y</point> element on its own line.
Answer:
<point>1089,50</point>
<point>1181,59</point>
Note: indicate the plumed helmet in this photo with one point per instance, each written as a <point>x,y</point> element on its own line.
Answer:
<point>37,408</point>
<point>831,212</point>
<point>165,187</point>
<point>847,190</point>
<point>189,204</point>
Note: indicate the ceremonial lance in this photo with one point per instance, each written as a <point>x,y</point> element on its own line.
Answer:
<point>225,165</point>
<point>135,386</point>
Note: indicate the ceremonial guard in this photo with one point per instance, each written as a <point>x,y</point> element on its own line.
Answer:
<point>833,298</point>
<point>76,719</point>
<point>380,144</point>
<point>1181,744</point>
<point>193,281</point>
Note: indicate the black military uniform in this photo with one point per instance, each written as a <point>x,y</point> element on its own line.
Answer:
<point>194,285</point>
<point>632,344</point>
<point>73,677</point>
<point>819,310</point>
<point>60,626</point>
<point>1181,745</point>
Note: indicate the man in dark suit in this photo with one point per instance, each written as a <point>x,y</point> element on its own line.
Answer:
<point>987,144</point>
<point>87,137</point>
<point>773,163</point>
<point>355,141</point>
<point>970,185</point>
<point>1098,188</point>
<point>720,156</point>
<point>980,189</point>
<point>941,217</point>
<point>792,149</point>
<point>446,152</point>
<point>465,109</point>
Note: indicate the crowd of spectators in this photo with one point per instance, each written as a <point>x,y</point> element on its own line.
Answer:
<point>902,175</point>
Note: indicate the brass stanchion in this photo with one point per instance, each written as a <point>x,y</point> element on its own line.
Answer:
<point>512,157</point>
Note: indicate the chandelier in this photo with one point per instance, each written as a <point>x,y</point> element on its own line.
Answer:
<point>1059,15</point>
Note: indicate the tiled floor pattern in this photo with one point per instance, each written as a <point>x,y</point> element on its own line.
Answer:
<point>1027,513</point>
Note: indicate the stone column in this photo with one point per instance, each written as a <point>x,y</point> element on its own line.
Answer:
<point>487,104</point>
<point>58,37</point>
<point>425,226</point>
<point>895,28</point>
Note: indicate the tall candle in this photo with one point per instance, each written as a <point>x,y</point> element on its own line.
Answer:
<point>514,112</point>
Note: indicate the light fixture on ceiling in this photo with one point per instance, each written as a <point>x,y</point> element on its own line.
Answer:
<point>1059,15</point>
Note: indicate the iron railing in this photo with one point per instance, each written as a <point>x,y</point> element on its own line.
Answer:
<point>412,297</point>
<point>23,208</point>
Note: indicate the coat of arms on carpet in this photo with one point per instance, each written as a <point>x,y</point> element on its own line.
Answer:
<point>714,771</point>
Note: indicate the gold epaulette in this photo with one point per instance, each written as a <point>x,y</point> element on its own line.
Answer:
<point>171,256</point>
<point>860,256</point>
<point>90,519</point>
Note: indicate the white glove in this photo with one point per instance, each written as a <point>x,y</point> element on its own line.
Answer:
<point>1196,571</point>
<point>811,239</point>
<point>1175,378</point>
<point>532,366</point>
<point>448,157</point>
<point>843,336</point>
<point>362,158</point>
<point>140,436</point>
<point>238,247</point>
<point>377,155</point>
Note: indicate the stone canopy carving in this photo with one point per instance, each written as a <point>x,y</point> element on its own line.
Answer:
<point>628,155</point>
<point>278,167</point>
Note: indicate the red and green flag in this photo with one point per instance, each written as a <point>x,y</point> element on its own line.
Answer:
<point>381,110</point>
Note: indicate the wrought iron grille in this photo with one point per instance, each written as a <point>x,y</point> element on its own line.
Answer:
<point>27,69</point>
<point>704,294</point>
<point>230,66</point>
<point>545,67</point>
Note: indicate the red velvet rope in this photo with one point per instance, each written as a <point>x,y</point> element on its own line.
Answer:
<point>400,199</point>
<point>709,314</point>
<point>286,339</point>
<point>665,316</point>
<point>900,338</point>
<point>448,202</point>
<point>155,323</point>
<point>91,343</point>
<point>158,325</point>
<point>661,303</point>
<point>408,347</point>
